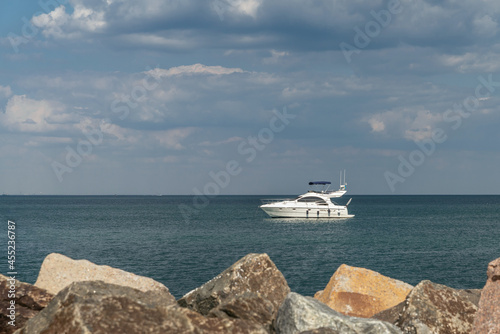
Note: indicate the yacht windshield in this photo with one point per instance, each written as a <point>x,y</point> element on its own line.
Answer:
<point>313,199</point>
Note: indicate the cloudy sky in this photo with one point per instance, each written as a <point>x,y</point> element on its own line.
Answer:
<point>249,96</point>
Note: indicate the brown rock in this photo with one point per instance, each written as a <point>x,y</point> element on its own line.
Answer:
<point>101,308</point>
<point>29,300</point>
<point>254,279</point>
<point>361,292</point>
<point>487,319</point>
<point>248,306</point>
<point>182,320</point>
<point>438,309</point>
<point>59,271</point>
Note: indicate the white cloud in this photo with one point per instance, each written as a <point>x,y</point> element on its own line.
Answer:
<point>276,56</point>
<point>236,7</point>
<point>246,7</point>
<point>221,142</point>
<point>117,132</point>
<point>422,126</point>
<point>132,139</point>
<point>332,86</point>
<point>88,19</point>
<point>174,41</point>
<point>485,26</point>
<point>193,70</point>
<point>471,62</point>
<point>34,116</point>
<point>413,124</point>
<point>40,141</point>
<point>61,25</point>
<point>171,139</point>
<point>376,124</point>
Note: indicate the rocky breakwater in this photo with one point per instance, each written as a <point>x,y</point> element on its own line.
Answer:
<point>251,296</point>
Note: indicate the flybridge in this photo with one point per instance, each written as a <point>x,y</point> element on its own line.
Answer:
<point>324,183</point>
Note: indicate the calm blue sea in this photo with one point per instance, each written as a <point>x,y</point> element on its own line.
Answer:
<point>446,239</point>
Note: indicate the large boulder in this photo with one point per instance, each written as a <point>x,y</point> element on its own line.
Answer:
<point>361,292</point>
<point>488,316</point>
<point>252,288</point>
<point>27,301</point>
<point>438,309</point>
<point>59,271</point>
<point>101,308</point>
<point>301,314</point>
<point>393,314</point>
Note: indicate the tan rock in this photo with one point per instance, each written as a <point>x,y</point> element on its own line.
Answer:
<point>487,318</point>
<point>361,292</point>
<point>59,271</point>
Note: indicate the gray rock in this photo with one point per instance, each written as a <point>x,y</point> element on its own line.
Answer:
<point>254,279</point>
<point>438,309</point>
<point>393,314</point>
<point>98,307</point>
<point>298,314</point>
<point>321,330</point>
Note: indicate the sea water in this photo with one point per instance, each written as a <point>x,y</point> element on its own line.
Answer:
<point>446,239</point>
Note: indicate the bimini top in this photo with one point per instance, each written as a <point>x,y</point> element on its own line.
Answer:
<point>319,182</point>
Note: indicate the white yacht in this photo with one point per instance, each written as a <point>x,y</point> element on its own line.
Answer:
<point>313,204</point>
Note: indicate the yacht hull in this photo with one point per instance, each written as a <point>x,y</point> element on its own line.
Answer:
<point>275,211</point>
